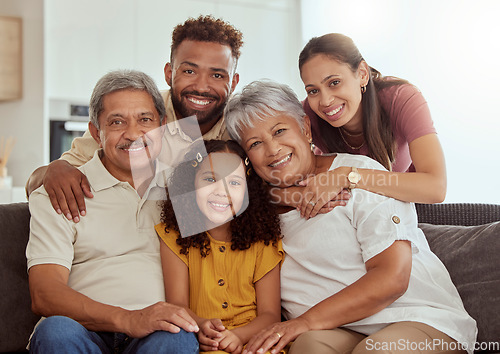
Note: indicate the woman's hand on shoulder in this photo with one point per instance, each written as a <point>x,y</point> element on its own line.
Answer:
<point>323,192</point>
<point>276,336</point>
<point>210,334</point>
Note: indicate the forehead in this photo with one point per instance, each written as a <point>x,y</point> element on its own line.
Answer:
<point>128,99</point>
<point>222,164</point>
<point>204,54</point>
<point>264,124</point>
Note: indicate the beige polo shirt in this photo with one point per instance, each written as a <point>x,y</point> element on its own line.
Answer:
<point>113,252</point>
<point>174,145</point>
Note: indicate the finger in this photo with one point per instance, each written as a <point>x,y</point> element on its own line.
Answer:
<point>268,343</point>
<point>74,199</point>
<point>256,342</point>
<point>62,200</point>
<point>81,193</point>
<point>54,200</point>
<point>209,342</point>
<point>217,322</point>
<point>311,204</point>
<point>182,319</point>
<point>168,327</point>
<point>305,181</point>
<point>212,333</point>
<point>207,348</point>
<point>343,195</point>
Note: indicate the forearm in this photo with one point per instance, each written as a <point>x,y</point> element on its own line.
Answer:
<point>257,324</point>
<point>54,298</point>
<point>370,294</point>
<point>416,187</point>
<point>35,180</point>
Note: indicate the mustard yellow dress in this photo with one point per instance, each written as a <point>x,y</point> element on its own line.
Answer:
<point>222,284</point>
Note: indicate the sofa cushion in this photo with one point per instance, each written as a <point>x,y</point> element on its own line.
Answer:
<point>471,255</point>
<point>16,319</point>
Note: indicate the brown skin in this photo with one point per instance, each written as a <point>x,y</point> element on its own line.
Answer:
<point>127,116</point>
<point>203,67</point>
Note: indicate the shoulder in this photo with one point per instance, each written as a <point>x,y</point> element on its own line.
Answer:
<point>359,161</point>
<point>399,95</point>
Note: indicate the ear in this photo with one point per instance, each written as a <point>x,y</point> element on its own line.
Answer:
<point>364,73</point>
<point>307,128</point>
<point>95,133</point>
<point>234,83</point>
<point>168,73</point>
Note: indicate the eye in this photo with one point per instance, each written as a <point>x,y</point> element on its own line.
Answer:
<point>189,71</point>
<point>312,92</point>
<point>115,122</point>
<point>334,83</point>
<point>279,131</point>
<point>209,179</point>
<point>235,183</point>
<point>218,76</point>
<point>254,144</point>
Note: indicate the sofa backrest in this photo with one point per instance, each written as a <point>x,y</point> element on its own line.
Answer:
<point>16,319</point>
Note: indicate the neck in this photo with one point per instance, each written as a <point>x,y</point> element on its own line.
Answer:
<point>192,128</point>
<point>221,232</point>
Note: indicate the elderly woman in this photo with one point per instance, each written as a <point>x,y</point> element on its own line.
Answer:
<point>360,278</point>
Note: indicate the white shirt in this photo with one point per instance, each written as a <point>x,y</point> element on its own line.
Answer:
<point>113,252</point>
<point>327,253</point>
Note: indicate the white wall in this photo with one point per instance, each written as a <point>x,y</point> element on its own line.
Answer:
<point>100,36</point>
<point>23,118</point>
<point>450,50</point>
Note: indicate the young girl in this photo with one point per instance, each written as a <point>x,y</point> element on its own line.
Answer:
<point>221,246</point>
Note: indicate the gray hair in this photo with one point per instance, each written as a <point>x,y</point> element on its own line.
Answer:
<point>124,80</point>
<point>260,100</point>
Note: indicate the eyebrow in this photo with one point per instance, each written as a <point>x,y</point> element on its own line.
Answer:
<point>254,137</point>
<point>194,65</point>
<point>325,79</point>
<point>217,175</point>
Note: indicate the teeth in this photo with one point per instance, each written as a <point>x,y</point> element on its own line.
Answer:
<point>283,160</point>
<point>195,101</point>
<point>219,205</point>
<point>335,111</point>
<point>135,148</point>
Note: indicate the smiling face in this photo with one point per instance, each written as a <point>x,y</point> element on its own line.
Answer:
<point>201,77</point>
<point>220,184</point>
<point>334,90</point>
<point>130,132</point>
<point>279,149</point>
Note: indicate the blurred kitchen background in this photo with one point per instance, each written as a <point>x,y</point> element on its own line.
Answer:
<point>448,48</point>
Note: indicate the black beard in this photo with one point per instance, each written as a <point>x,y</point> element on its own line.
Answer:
<point>203,117</point>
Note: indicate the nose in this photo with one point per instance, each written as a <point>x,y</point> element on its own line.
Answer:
<point>326,98</point>
<point>273,147</point>
<point>220,188</point>
<point>133,131</point>
<point>201,83</point>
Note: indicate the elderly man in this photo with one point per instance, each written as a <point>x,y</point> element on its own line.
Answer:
<point>202,75</point>
<point>99,283</point>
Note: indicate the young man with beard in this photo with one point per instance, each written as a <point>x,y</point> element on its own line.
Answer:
<point>201,75</point>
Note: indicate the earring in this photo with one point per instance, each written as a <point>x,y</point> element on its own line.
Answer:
<point>363,89</point>
<point>199,158</point>
<point>248,171</point>
<point>247,161</point>
<point>312,146</point>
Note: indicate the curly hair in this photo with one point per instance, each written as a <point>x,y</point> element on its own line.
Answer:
<point>259,222</point>
<point>207,29</point>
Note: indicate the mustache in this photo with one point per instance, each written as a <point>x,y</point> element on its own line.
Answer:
<point>141,142</point>
<point>196,93</point>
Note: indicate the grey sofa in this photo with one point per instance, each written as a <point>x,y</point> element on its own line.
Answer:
<point>466,237</point>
